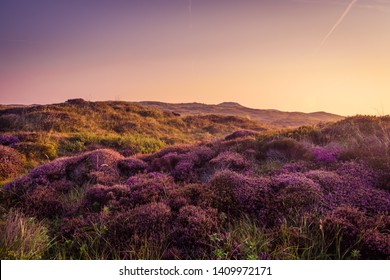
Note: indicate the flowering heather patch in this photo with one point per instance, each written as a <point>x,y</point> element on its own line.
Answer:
<point>329,181</point>
<point>240,198</point>
<point>98,196</point>
<point>145,221</point>
<point>191,166</point>
<point>295,195</point>
<point>131,166</point>
<point>233,192</point>
<point>294,167</point>
<point>44,203</point>
<point>344,225</point>
<point>74,227</point>
<point>151,187</point>
<point>11,162</point>
<point>326,155</point>
<point>195,194</point>
<point>200,155</point>
<point>149,178</point>
<point>166,163</point>
<point>230,160</point>
<point>8,140</point>
<point>53,170</point>
<point>192,228</point>
<point>376,245</point>
<point>184,171</point>
<point>150,219</point>
<point>358,189</point>
<point>178,149</point>
<point>76,170</point>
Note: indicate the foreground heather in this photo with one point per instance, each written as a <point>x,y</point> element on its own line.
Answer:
<point>307,195</point>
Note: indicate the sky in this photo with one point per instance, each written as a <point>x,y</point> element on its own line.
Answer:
<point>290,55</point>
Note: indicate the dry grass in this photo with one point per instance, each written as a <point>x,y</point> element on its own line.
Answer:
<point>23,238</point>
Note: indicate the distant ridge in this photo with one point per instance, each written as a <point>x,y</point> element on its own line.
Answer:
<point>267,116</point>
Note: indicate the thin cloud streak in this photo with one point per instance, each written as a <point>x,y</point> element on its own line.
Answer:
<point>339,21</point>
<point>190,12</point>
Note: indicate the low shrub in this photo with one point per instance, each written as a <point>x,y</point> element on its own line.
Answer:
<point>295,195</point>
<point>232,161</point>
<point>234,193</point>
<point>8,140</point>
<point>192,228</point>
<point>343,228</point>
<point>11,163</point>
<point>131,166</point>
<point>284,149</point>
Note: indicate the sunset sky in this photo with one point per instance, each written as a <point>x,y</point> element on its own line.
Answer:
<point>291,55</point>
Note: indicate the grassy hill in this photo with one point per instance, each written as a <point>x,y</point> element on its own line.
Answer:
<point>45,132</point>
<point>269,117</point>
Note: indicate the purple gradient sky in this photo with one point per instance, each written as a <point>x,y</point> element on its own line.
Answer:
<point>262,54</point>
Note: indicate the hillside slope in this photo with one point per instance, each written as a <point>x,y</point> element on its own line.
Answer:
<point>44,132</point>
<point>269,117</point>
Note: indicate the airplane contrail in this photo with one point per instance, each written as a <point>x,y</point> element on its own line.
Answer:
<point>337,23</point>
<point>190,12</point>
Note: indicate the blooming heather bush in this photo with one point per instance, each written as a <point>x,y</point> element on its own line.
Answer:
<point>151,187</point>
<point>192,228</point>
<point>184,171</point>
<point>44,203</point>
<point>381,165</point>
<point>11,163</point>
<point>376,245</point>
<point>150,219</point>
<point>344,225</point>
<point>192,165</point>
<point>294,167</point>
<point>234,193</point>
<point>77,170</point>
<point>131,166</point>
<point>240,134</point>
<point>296,194</point>
<point>166,163</point>
<point>177,149</point>
<point>325,155</point>
<point>200,155</point>
<point>104,161</point>
<point>98,196</point>
<point>195,194</point>
<point>358,189</point>
<point>329,181</point>
<point>230,160</point>
<point>80,168</point>
<point>15,191</point>
<point>8,140</point>
<point>53,170</point>
<point>146,221</point>
<point>74,228</point>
